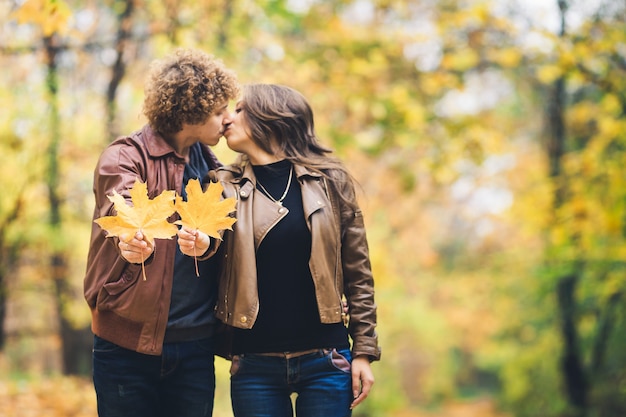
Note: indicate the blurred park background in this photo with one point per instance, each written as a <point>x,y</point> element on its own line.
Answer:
<point>489,141</point>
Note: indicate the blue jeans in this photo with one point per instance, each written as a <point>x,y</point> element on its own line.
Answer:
<point>179,383</point>
<point>261,386</point>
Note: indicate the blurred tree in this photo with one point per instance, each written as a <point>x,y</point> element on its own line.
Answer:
<point>9,256</point>
<point>577,75</point>
<point>118,69</point>
<point>575,381</point>
<point>50,18</point>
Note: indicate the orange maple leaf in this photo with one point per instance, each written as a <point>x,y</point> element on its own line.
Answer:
<point>205,211</point>
<point>144,215</point>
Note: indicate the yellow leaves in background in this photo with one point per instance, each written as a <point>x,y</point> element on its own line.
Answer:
<point>461,60</point>
<point>610,127</point>
<point>205,211</point>
<point>507,57</point>
<point>549,73</point>
<point>51,15</point>
<point>38,396</point>
<point>611,104</point>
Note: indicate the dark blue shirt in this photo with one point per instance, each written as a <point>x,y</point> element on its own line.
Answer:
<point>191,315</point>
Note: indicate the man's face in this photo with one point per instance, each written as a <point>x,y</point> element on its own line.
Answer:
<point>212,130</point>
<point>207,133</point>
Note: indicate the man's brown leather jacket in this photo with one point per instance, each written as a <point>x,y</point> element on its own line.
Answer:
<point>339,261</point>
<point>126,310</point>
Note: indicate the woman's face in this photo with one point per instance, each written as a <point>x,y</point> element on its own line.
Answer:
<point>239,138</point>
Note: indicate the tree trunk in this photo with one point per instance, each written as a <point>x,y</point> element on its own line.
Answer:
<point>571,364</point>
<point>118,70</point>
<point>605,329</point>
<point>9,255</point>
<point>222,36</point>
<point>571,361</point>
<point>72,355</point>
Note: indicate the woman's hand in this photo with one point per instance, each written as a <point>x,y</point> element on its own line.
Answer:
<point>136,249</point>
<point>362,379</point>
<point>193,242</point>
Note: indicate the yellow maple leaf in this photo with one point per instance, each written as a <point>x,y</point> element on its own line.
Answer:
<point>144,215</point>
<point>52,16</point>
<point>205,211</point>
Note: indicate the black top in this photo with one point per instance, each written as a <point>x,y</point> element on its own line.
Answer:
<point>288,318</point>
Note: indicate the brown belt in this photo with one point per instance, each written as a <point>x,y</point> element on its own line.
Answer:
<point>289,355</point>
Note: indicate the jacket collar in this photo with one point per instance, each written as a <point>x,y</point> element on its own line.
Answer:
<point>302,171</point>
<point>244,172</point>
<point>156,145</point>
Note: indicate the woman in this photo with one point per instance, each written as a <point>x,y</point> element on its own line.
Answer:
<point>298,247</point>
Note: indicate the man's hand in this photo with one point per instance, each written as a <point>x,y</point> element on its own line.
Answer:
<point>362,379</point>
<point>136,249</point>
<point>193,242</point>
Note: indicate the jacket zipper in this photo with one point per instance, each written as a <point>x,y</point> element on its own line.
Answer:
<point>156,330</point>
<point>339,291</point>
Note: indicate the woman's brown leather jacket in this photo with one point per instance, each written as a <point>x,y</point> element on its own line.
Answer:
<point>339,261</point>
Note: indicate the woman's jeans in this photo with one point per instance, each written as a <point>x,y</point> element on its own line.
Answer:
<point>261,386</point>
<point>179,383</point>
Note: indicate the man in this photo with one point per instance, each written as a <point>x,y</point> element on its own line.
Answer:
<point>153,344</point>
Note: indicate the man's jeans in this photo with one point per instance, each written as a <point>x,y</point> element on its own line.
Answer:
<point>179,383</point>
<point>261,386</point>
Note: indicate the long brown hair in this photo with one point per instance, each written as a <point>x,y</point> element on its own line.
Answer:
<point>281,116</point>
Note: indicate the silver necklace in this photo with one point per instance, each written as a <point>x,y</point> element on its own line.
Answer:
<point>280,200</point>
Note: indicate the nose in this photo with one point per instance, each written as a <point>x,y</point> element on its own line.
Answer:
<point>228,118</point>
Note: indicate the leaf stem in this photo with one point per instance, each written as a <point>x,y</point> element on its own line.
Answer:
<point>143,268</point>
<point>195,259</point>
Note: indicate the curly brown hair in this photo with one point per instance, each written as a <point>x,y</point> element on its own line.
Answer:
<point>186,87</point>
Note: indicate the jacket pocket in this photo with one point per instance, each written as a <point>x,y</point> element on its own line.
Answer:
<point>112,294</point>
<point>129,277</point>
